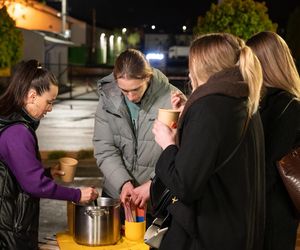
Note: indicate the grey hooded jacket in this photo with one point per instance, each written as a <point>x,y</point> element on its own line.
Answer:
<point>123,153</point>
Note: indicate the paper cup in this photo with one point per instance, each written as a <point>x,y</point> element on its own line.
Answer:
<point>168,117</point>
<point>135,231</point>
<point>68,165</point>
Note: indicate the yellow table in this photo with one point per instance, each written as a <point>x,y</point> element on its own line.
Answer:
<point>66,242</point>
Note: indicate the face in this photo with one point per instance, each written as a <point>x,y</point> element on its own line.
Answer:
<point>133,89</point>
<point>38,106</point>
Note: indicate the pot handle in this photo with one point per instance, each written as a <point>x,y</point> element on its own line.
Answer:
<point>99,212</point>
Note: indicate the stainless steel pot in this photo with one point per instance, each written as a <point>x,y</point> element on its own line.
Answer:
<point>97,225</point>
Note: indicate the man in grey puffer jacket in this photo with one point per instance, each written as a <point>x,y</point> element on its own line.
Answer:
<point>124,145</point>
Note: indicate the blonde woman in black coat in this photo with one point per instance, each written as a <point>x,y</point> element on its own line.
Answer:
<point>217,208</point>
<point>280,112</point>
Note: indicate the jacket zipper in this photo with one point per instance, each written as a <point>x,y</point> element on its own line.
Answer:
<point>135,133</point>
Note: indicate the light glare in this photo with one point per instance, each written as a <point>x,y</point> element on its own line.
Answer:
<point>155,56</point>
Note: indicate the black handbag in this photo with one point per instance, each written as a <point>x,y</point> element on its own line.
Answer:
<point>160,198</point>
<point>289,170</point>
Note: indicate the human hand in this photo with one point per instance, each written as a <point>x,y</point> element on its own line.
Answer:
<point>126,191</point>
<point>163,135</point>
<point>142,194</point>
<point>178,100</point>
<point>88,194</point>
<point>56,172</point>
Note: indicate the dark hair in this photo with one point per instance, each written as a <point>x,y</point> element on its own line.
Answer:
<point>132,64</point>
<point>27,75</point>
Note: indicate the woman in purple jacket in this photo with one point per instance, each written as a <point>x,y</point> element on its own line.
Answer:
<point>23,179</point>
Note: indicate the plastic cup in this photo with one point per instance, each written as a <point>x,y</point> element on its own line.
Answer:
<point>135,231</point>
<point>68,165</point>
<point>168,117</point>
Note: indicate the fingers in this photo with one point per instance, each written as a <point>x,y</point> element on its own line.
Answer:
<point>175,93</point>
<point>56,172</point>
<point>60,173</point>
<point>140,201</point>
<point>135,200</point>
<point>174,125</point>
<point>88,195</point>
<point>94,194</point>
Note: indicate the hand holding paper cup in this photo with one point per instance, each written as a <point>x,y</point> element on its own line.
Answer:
<point>68,166</point>
<point>168,117</point>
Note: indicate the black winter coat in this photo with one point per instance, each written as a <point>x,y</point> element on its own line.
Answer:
<point>221,209</point>
<point>19,212</point>
<point>282,133</point>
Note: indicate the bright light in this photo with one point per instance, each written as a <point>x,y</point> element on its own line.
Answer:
<point>103,47</point>
<point>184,28</point>
<point>119,43</point>
<point>67,33</point>
<point>111,43</point>
<point>16,10</point>
<point>153,27</point>
<point>155,56</point>
<point>124,30</point>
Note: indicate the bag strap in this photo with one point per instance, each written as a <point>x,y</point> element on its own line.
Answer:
<point>237,146</point>
<point>286,107</point>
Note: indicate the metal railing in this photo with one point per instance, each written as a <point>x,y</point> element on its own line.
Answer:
<point>80,82</point>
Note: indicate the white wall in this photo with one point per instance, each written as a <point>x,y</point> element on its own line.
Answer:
<point>33,46</point>
<point>56,58</point>
<point>78,33</point>
<point>53,55</point>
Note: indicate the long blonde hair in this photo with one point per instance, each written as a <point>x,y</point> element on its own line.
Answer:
<point>279,69</point>
<point>214,52</point>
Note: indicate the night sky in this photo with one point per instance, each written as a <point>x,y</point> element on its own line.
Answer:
<point>167,15</point>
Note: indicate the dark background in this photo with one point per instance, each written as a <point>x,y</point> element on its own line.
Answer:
<point>167,15</point>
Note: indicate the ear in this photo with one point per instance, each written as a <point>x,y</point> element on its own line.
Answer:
<point>31,96</point>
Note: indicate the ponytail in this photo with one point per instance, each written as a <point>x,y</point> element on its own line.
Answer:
<point>252,73</point>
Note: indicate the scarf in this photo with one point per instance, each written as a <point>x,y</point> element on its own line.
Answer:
<point>228,82</point>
